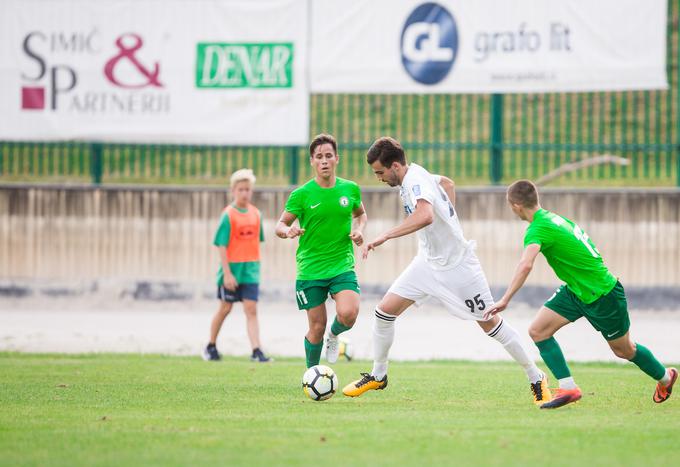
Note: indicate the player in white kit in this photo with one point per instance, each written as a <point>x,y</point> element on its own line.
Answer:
<point>445,267</point>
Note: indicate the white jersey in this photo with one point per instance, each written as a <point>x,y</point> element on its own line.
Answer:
<point>442,243</point>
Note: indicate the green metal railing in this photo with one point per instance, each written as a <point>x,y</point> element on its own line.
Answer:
<point>476,139</point>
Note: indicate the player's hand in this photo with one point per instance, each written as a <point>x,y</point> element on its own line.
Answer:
<point>372,246</point>
<point>357,237</point>
<point>499,306</point>
<point>229,282</point>
<point>294,232</point>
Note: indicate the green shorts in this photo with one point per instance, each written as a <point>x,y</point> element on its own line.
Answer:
<point>313,293</point>
<point>608,314</point>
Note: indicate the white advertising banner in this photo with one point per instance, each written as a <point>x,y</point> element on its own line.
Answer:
<point>487,46</point>
<point>204,71</point>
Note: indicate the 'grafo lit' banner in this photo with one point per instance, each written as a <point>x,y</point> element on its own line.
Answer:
<point>486,46</point>
<point>208,72</point>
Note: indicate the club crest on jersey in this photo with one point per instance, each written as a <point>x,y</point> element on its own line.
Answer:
<point>416,190</point>
<point>344,202</point>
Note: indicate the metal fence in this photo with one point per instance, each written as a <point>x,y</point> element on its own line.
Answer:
<point>476,139</point>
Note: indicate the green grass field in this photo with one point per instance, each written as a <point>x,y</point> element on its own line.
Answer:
<point>155,410</point>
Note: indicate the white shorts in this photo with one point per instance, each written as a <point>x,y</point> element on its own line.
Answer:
<point>463,289</point>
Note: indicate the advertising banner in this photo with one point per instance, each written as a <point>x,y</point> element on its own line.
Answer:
<point>204,72</point>
<point>487,46</point>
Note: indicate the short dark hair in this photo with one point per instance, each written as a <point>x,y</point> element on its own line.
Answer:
<point>386,150</point>
<point>323,138</point>
<point>524,193</point>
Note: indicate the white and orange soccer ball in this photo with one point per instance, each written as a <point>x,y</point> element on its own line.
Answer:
<point>319,382</point>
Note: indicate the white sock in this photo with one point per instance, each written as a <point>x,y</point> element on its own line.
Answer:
<point>666,380</point>
<point>383,336</point>
<point>510,340</point>
<point>567,383</point>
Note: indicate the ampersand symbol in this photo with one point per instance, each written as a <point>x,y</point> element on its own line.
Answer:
<point>129,53</point>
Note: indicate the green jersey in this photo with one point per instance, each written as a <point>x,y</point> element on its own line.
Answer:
<point>571,254</point>
<point>325,249</point>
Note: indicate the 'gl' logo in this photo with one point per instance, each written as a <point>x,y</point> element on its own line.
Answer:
<point>429,42</point>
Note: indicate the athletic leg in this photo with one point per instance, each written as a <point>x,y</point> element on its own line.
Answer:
<point>252,325</point>
<point>500,329</point>
<point>386,313</point>
<point>253,328</point>
<point>210,352</point>
<point>542,329</point>
<point>624,347</point>
<point>316,317</point>
<point>346,311</point>
<point>609,315</point>
<point>546,323</point>
<point>222,311</point>
<point>465,291</point>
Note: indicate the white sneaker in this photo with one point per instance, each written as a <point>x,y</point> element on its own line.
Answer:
<point>332,348</point>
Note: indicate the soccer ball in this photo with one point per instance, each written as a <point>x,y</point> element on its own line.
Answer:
<point>346,349</point>
<point>319,382</point>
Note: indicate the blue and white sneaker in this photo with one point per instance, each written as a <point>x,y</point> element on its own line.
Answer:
<point>259,356</point>
<point>211,354</point>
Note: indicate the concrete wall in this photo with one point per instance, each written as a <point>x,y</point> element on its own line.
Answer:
<point>81,233</point>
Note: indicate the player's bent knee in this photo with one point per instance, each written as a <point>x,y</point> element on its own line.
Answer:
<point>626,352</point>
<point>539,334</point>
<point>488,325</point>
<point>347,317</point>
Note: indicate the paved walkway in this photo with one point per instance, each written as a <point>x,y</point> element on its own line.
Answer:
<point>181,328</point>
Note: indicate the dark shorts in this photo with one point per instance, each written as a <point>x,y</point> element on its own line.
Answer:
<point>608,314</point>
<point>242,292</point>
<point>311,293</point>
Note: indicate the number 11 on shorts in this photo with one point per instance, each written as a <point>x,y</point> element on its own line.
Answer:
<point>302,298</point>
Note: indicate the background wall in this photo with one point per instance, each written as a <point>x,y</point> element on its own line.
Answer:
<point>71,234</point>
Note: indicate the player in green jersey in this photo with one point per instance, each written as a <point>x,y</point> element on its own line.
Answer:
<point>331,217</point>
<point>590,290</point>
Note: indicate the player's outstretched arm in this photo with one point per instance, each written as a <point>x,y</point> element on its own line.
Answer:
<point>360,219</point>
<point>421,217</point>
<point>284,228</point>
<point>524,267</point>
<point>449,188</point>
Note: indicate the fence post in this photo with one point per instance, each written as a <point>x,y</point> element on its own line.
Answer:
<point>496,163</point>
<point>293,165</point>
<point>96,165</point>
<point>677,118</point>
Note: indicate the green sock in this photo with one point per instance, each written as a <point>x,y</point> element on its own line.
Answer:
<point>313,352</point>
<point>553,357</point>
<point>337,327</point>
<point>648,363</point>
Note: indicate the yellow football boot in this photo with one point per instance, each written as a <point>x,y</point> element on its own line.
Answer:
<point>366,383</point>
<point>541,391</point>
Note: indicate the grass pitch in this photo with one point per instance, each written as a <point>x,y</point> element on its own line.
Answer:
<point>155,410</point>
